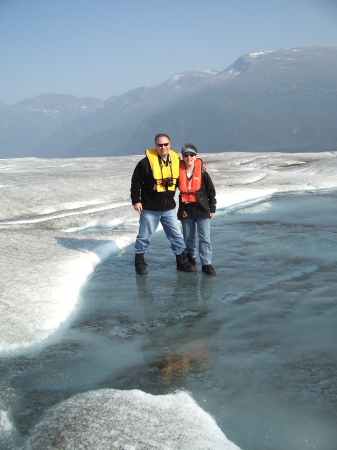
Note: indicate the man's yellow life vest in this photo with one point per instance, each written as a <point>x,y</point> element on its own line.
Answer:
<point>165,175</point>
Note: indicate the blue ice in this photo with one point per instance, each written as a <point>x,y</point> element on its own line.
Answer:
<point>255,346</point>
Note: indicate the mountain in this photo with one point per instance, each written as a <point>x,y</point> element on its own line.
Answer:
<point>282,100</point>
<point>105,132</point>
<point>25,126</point>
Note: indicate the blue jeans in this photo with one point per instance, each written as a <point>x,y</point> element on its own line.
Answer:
<point>204,230</point>
<point>148,223</point>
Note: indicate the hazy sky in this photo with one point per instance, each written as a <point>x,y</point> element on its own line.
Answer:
<point>100,48</point>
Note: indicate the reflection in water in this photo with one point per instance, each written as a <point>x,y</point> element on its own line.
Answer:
<point>195,360</point>
<point>181,337</point>
<point>176,366</point>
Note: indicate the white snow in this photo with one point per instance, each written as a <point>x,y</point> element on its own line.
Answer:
<point>45,203</point>
<point>176,77</point>
<point>254,55</point>
<point>129,420</point>
<point>5,424</point>
<point>212,72</point>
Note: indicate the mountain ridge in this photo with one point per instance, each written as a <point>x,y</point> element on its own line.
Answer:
<point>281,100</point>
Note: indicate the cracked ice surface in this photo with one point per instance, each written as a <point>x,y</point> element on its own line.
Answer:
<point>44,261</point>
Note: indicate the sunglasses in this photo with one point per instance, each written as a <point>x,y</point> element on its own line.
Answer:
<point>186,155</point>
<point>163,145</point>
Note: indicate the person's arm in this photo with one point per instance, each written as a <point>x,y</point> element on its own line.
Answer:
<point>210,191</point>
<point>137,183</point>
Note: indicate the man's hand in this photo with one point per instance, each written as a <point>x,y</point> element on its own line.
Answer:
<point>138,207</point>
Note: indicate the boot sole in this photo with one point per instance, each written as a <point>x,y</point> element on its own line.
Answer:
<point>193,269</point>
<point>210,274</point>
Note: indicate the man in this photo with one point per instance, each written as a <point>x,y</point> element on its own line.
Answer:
<point>153,186</point>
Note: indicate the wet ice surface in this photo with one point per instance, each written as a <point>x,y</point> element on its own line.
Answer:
<point>255,346</point>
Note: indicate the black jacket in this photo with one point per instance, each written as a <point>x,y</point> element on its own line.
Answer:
<point>205,200</point>
<point>142,183</point>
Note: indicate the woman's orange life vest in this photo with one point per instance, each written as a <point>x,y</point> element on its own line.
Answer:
<point>189,187</point>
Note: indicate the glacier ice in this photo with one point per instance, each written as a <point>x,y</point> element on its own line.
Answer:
<point>49,213</point>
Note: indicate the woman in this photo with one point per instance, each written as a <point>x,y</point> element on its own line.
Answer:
<point>196,207</point>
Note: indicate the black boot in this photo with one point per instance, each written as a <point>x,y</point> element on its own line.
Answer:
<point>140,264</point>
<point>191,260</point>
<point>208,269</point>
<point>183,264</point>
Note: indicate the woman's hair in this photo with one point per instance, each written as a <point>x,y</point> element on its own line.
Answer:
<point>191,146</point>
